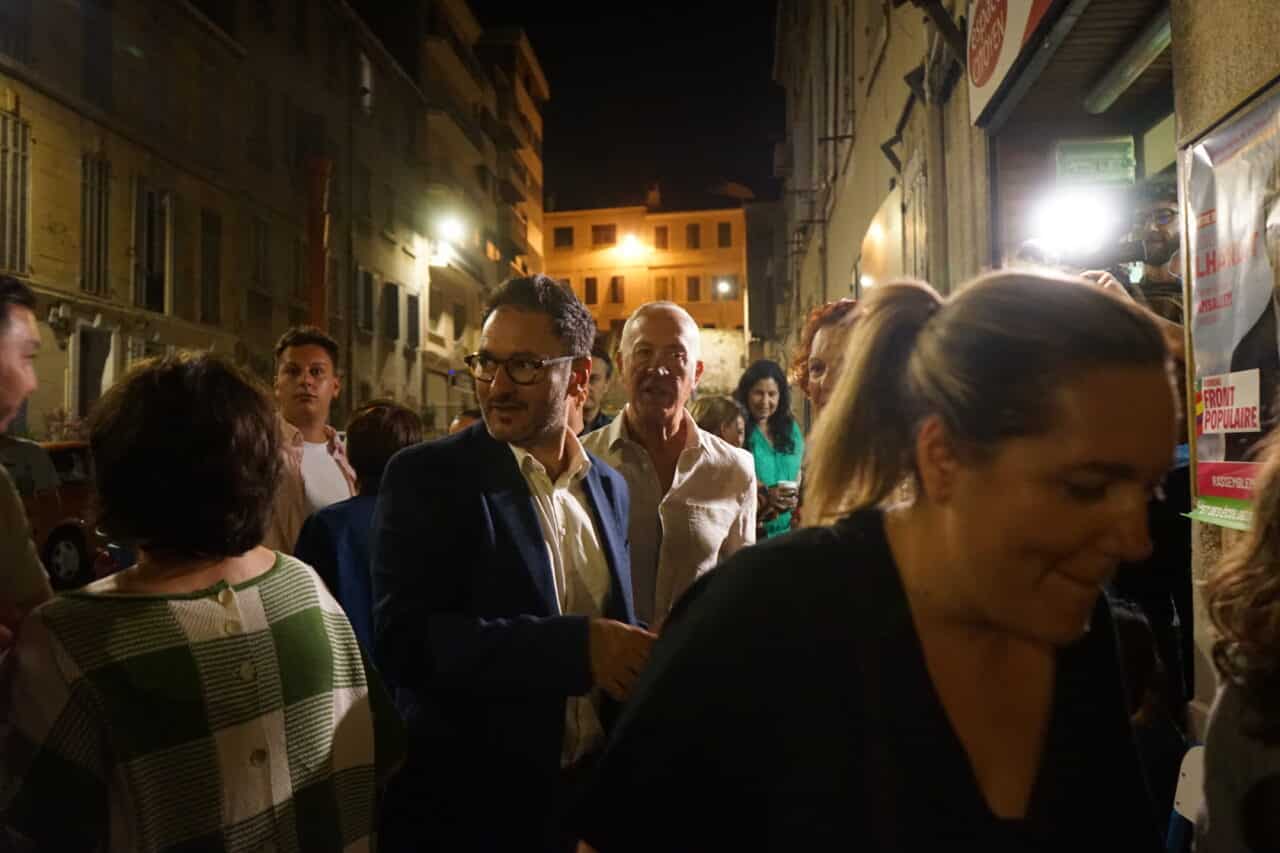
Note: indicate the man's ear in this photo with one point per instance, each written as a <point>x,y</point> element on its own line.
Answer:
<point>937,462</point>
<point>580,377</point>
<point>698,367</point>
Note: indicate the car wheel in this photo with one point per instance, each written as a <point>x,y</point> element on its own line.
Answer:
<point>66,560</point>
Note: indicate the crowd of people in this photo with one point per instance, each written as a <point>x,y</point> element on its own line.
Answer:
<point>689,626</point>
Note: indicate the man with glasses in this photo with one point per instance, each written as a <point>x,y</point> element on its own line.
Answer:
<point>1156,225</point>
<point>316,472</point>
<point>693,495</point>
<point>502,594</point>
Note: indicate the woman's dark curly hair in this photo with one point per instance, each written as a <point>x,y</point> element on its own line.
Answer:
<point>186,453</point>
<point>1242,594</point>
<point>781,421</point>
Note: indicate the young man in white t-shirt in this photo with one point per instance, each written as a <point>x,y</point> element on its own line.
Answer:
<point>316,473</point>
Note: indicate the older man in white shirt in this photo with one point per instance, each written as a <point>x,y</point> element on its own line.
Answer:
<point>693,495</point>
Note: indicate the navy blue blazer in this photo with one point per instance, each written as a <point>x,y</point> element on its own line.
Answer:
<point>335,542</point>
<point>467,631</point>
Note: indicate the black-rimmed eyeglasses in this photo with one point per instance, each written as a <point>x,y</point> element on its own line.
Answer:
<point>520,369</point>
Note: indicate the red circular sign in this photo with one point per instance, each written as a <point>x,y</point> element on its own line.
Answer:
<point>986,38</point>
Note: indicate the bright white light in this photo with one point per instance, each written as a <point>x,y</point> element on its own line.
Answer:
<point>876,232</point>
<point>1074,222</point>
<point>724,287</point>
<point>866,281</point>
<point>451,228</point>
<point>631,247</point>
<point>443,255</point>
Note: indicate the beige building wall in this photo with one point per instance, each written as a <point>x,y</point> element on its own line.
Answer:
<point>922,214</point>
<point>707,279</point>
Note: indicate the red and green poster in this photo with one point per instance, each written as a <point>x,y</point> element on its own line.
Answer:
<point>1233,226</point>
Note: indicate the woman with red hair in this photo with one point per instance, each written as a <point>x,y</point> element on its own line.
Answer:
<point>818,359</point>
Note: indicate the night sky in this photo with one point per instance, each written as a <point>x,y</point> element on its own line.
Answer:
<point>676,92</point>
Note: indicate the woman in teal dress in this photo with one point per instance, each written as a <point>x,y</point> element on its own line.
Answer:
<point>774,439</point>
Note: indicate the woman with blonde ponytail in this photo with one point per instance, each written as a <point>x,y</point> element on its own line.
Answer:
<point>930,667</point>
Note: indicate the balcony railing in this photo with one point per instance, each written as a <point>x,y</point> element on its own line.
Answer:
<point>441,100</point>
<point>464,54</point>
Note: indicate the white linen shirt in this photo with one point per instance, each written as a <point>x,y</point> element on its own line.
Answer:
<point>708,514</point>
<point>579,570</point>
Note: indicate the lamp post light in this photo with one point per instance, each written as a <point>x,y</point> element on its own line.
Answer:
<point>451,229</point>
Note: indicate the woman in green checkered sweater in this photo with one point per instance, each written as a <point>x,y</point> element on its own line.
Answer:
<point>213,696</point>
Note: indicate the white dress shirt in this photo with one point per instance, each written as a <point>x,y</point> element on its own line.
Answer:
<point>579,569</point>
<point>676,536</point>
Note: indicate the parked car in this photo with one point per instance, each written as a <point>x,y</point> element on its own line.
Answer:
<point>55,480</point>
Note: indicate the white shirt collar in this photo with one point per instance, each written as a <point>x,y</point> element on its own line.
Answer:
<point>617,431</point>
<point>579,462</point>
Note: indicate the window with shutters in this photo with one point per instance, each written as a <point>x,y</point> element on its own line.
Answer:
<point>364,300</point>
<point>413,321</point>
<point>435,308</point>
<point>459,320</point>
<point>259,255</point>
<point>660,237</point>
<point>662,288</point>
<point>693,287</point>
<point>95,186</point>
<point>693,236</point>
<point>299,277</point>
<point>363,193</point>
<point>210,267</point>
<point>15,192</point>
<point>617,294</point>
<point>153,234</point>
<point>259,138</point>
<point>604,235</point>
<point>724,235</point>
<point>391,311</point>
<point>337,295</point>
<point>589,287</point>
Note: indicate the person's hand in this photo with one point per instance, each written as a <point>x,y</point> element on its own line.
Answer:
<point>762,498</point>
<point>1106,281</point>
<point>619,653</point>
<point>783,501</point>
<point>1169,330</point>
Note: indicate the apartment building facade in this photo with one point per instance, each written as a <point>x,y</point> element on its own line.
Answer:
<point>617,259</point>
<point>204,173</point>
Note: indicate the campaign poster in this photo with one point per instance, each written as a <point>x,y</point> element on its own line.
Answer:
<point>1232,194</point>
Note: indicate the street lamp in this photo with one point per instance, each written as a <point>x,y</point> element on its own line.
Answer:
<point>631,248</point>
<point>866,281</point>
<point>725,288</point>
<point>451,229</point>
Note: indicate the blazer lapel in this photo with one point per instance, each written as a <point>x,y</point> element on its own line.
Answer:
<point>512,506</point>
<point>619,562</point>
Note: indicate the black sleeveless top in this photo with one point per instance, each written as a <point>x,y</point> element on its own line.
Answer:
<point>787,707</point>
